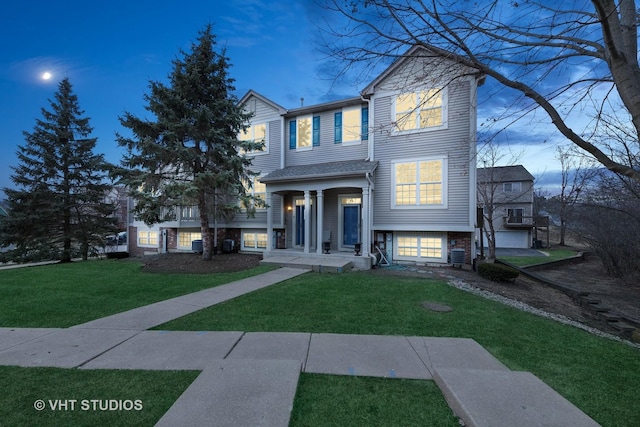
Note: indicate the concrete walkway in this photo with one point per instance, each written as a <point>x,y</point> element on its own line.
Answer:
<point>250,379</point>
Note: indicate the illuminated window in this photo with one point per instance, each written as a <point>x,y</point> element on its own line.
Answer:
<point>419,183</point>
<point>351,125</point>
<point>304,133</point>
<point>257,190</point>
<point>420,245</point>
<point>254,240</point>
<point>147,238</point>
<point>255,133</point>
<point>420,110</point>
<point>186,237</point>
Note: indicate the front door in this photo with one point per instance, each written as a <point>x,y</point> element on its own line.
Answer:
<point>351,225</point>
<point>298,214</point>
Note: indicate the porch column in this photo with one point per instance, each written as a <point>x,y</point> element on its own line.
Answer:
<point>269,222</point>
<point>319,221</point>
<point>366,231</point>
<point>307,221</point>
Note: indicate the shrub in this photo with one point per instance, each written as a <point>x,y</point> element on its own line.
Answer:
<point>117,255</point>
<point>497,272</point>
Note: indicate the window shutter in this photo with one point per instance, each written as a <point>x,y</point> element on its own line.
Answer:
<point>316,131</point>
<point>337,134</point>
<point>292,135</point>
<point>364,132</point>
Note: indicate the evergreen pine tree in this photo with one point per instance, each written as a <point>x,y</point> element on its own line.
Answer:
<point>59,199</point>
<point>190,155</point>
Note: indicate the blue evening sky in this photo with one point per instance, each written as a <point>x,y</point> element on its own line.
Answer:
<point>111,50</point>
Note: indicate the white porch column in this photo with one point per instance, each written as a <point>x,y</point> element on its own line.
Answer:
<point>307,221</point>
<point>319,221</point>
<point>366,227</point>
<point>269,222</point>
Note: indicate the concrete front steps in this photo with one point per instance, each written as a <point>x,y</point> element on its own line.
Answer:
<point>339,262</point>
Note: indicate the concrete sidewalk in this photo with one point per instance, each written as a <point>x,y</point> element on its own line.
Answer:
<point>251,378</point>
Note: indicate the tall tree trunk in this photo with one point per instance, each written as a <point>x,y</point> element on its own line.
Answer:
<point>205,230</point>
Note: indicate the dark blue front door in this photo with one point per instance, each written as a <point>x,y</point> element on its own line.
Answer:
<point>351,225</point>
<point>299,225</point>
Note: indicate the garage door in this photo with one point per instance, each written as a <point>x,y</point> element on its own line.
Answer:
<point>512,239</point>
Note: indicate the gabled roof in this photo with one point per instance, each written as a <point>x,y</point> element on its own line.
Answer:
<point>504,174</point>
<point>251,92</point>
<point>321,170</point>
<point>410,53</point>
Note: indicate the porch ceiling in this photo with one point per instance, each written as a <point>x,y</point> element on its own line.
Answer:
<point>348,168</point>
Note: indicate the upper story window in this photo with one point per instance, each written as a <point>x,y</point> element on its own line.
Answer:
<point>256,133</point>
<point>257,190</point>
<point>419,183</point>
<point>351,125</point>
<point>420,110</point>
<point>511,187</point>
<point>304,133</point>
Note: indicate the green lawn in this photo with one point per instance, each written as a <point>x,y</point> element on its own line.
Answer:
<point>550,255</point>
<point>63,295</point>
<point>600,376</point>
<point>144,395</point>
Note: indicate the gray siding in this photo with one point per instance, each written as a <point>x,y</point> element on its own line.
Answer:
<point>328,151</point>
<point>455,143</point>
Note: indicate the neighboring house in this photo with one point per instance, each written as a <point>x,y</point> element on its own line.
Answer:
<point>508,192</point>
<point>393,167</point>
<point>4,214</point>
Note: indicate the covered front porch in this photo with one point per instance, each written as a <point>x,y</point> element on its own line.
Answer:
<point>324,212</point>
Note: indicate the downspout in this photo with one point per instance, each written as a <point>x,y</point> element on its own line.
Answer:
<point>282,147</point>
<point>370,157</point>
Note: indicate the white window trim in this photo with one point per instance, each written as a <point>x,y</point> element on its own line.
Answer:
<point>255,233</point>
<point>298,119</point>
<point>266,141</point>
<point>445,199</point>
<point>513,185</point>
<point>443,248</point>
<point>445,112</point>
<point>147,245</point>
<point>358,140</point>
<point>189,246</point>
<point>252,191</point>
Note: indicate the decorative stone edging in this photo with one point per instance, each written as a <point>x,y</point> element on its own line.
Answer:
<point>462,285</point>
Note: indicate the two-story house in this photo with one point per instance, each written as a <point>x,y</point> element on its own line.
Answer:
<point>391,168</point>
<point>506,193</point>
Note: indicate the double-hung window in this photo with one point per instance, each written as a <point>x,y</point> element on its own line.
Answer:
<point>419,183</point>
<point>510,187</point>
<point>351,125</point>
<point>515,215</point>
<point>421,110</point>
<point>256,133</point>
<point>257,189</point>
<point>304,133</point>
<point>147,238</point>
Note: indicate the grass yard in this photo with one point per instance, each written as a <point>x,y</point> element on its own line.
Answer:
<point>22,387</point>
<point>598,375</point>
<point>551,255</point>
<point>63,295</point>
<point>330,400</point>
